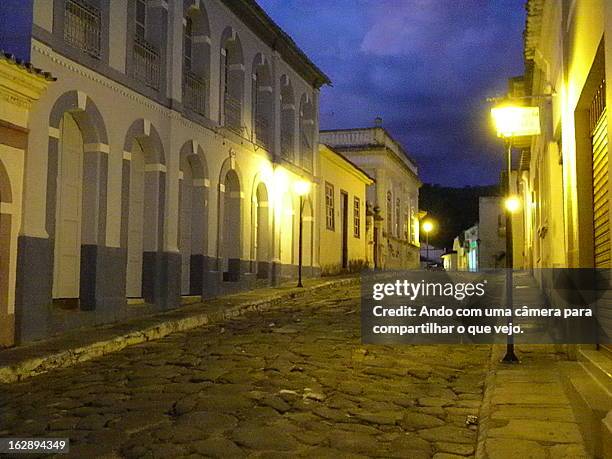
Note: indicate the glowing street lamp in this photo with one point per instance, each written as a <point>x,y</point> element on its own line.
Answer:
<point>301,188</point>
<point>428,226</point>
<point>512,204</point>
<point>512,121</point>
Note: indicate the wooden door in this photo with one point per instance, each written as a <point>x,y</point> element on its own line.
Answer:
<point>67,251</point>
<point>344,219</point>
<point>135,223</point>
<point>185,229</point>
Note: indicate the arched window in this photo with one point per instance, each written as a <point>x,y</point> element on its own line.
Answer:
<point>196,60</point>
<point>188,45</point>
<point>287,119</point>
<point>262,102</point>
<point>306,131</point>
<point>146,65</point>
<point>232,81</point>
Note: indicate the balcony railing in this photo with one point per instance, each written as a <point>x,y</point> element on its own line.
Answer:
<point>232,111</point>
<point>146,63</point>
<point>82,27</point>
<point>194,92</point>
<point>261,132</point>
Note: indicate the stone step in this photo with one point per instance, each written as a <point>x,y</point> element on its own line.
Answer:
<point>599,365</point>
<point>591,402</point>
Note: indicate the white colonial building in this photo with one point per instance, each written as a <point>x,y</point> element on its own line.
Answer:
<point>160,164</point>
<point>394,195</point>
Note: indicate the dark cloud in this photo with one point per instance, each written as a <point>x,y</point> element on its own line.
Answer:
<point>425,66</point>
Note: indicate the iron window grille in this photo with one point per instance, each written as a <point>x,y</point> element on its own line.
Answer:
<point>194,92</point>
<point>146,62</point>
<point>82,27</point>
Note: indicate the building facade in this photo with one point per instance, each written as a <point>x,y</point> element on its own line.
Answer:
<point>563,178</point>
<point>161,163</point>
<point>394,196</point>
<point>346,242</point>
<point>491,231</point>
<point>20,86</point>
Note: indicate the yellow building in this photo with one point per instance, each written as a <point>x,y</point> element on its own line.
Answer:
<point>394,196</point>
<point>20,86</point>
<point>345,230</point>
<point>563,176</point>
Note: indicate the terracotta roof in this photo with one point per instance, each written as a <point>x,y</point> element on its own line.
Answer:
<point>27,66</point>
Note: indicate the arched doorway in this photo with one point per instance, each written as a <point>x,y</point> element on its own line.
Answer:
<point>192,223</point>
<point>76,202</point>
<point>144,173</point>
<point>262,232</point>
<point>232,226</point>
<point>67,247</point>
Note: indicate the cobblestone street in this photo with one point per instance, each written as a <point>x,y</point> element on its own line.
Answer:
<point>291,382</point>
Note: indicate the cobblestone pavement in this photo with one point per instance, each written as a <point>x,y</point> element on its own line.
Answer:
<point>291,382</point>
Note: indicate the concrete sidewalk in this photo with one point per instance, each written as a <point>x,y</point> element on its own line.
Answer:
<point>87,343</point>
<point>526,412</point>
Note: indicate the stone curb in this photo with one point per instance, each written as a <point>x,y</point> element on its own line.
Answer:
<point>484,414</point>
<point>66,358</point>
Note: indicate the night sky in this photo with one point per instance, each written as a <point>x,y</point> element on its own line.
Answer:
<point>425,66</point>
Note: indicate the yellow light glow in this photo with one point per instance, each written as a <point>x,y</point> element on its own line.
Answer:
<point>512,204</point>
<point>427,226</point>
<point>280,181</point>
<point>516,121</point>
<point>301,187</point>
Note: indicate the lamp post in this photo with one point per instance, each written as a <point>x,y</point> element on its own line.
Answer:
<point>512,121</point>
<point>427,227</point>
<point>301,188</point>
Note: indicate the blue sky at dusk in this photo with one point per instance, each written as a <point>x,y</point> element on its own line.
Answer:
<point>425,66</point>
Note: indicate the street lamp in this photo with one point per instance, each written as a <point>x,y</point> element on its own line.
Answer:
<point>427,228</point>
<point>512,121</point>
<point>512,203</point>
<point>301,188</point>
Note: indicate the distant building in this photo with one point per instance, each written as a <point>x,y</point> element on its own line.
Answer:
<point>471,243</point>
<point>345,229</point>
<point>394,196</point>
<point>449,260</point>
<point>491,230</point>
<point>483,245</point>
<point>430,254</point>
